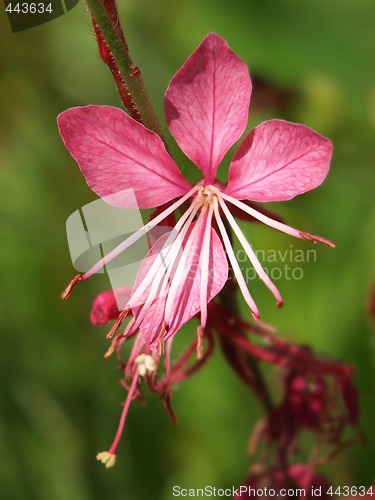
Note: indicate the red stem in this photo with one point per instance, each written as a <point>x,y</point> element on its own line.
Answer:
<point>108,58</point>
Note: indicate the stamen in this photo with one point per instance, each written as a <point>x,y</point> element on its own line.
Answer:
<point>318,239</point>
<point>180,271</point>
<point>204,267</point>
<point>113,345</point>
<point>251,254</point>
<point>107,458</point>
<point>199,342</point>
<point>137,235</point>
<point>120,428</point>
<point>236,268</point>
<point>164,329</point>
<point>161,278</point>
<point>68,290</point>
<point>275,224</point>
<point>118,322</point>
<point>161,262</point>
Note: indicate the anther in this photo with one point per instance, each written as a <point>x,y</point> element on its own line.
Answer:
<point>107,458</point>
<point>319,239</point>
<point>118,322</point>
<point>113,345</point>
<point>68,290</point>
<point>164,329</point>
<point>199,342</point>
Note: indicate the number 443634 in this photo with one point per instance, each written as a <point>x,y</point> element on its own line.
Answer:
<point>350,491</point>
<point>29,8</point>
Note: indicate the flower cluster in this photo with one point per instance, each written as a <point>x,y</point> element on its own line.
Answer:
<point>319,397</point>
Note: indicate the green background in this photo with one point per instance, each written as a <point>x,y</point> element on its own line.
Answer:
<point>60,400</point>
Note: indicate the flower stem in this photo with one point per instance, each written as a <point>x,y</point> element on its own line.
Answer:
<point>130,73</point>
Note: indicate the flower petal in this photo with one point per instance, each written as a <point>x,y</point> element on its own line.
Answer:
<point>106,305</point>
<point>116,153</point>
<point>277,161</point>
<point>187,298</point>
<point>207,102</point>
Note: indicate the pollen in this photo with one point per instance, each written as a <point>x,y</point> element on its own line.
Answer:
<point>146,364</point>
<point>107,458</point>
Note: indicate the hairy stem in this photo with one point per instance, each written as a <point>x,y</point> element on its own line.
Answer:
<point>130,73</point>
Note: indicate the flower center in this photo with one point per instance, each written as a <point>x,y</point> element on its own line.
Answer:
<point>206,195</point>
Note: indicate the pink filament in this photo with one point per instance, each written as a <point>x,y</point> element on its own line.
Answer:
<point>124,413</point>
<point>236,268</point>
<point>251,254</point>
<point>137,235</point>
<point>275,224</point>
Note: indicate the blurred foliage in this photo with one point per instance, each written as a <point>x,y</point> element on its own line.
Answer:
<point>312,61</point>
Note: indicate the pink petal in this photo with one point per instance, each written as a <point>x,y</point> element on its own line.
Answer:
<point>187,301</point>
<point>116,153</point>
<point>206,104</point>
<point>277,161</point>
<point>104,307</point>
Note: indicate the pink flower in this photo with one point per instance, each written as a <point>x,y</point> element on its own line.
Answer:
<point>206,108</point>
